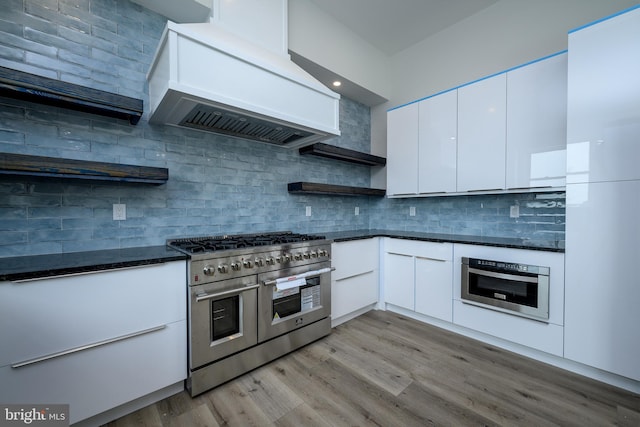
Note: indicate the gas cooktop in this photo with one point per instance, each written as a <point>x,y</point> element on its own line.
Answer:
<point>208,244</point>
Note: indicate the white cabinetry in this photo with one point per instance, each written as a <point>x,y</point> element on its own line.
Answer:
<point>437,146</point>
<point>505,132</point>
<point>537,124</point>
<point>482,135</point>
<point>402,150</point>
<point>603,196</point>
<point>93,341</point>
<point>354,283</point>
<point>418,276</point>
<point>547,337</point>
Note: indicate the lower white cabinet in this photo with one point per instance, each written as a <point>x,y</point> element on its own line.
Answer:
<point>354,283</point>
<point>94,341</point>
<point>434,280</point>
<point>603,290</point>
<point>419,277</point>
<point>544,336</point>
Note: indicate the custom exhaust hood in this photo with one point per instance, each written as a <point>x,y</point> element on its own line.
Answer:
<point>233,76</point>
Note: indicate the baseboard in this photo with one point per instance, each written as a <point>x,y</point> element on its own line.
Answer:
<point>129,407</point>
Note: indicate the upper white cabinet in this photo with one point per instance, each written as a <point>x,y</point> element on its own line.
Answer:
<point>536,124</point>
<point>402,150</point>
<point>502,133</point>
<point>481,135</point>
<point>437,147</point>
<point>603,122</point>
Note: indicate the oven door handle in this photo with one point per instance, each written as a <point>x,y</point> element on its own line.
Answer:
<point>504,276</point>
<point>203,297</point>
<point>298,276</point>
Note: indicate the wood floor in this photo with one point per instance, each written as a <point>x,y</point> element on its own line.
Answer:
<point>382,369</point>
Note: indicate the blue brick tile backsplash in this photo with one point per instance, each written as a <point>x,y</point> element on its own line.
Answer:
<point>217,185</point>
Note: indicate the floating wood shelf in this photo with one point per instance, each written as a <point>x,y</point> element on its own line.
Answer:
<point>38,166</point>
<point>329,189</point>
<point>344,154</point>
<point>29,87</point>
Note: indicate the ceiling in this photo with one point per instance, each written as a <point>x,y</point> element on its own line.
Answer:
<point>390,26</point>
<point>394,25</point>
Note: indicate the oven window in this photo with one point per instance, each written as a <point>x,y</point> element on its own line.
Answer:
<point>523,293</point>
<point>296,300</point>
<point>287,305</point>
<point>225,315</point>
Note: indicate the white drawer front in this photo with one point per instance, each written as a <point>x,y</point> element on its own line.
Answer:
<point>431,250</point>
<point>98,379</point>
<point>354,257</point>
<point>48,316</point>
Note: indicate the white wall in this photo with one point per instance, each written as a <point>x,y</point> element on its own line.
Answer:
<point>318,37</point>
<point>507,34</point>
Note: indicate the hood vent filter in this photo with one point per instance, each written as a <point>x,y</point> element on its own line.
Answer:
<point>209,118</point>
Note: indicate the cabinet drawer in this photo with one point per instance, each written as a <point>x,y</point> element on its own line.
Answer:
<point>56,314</point>
<point>353,293</point>
<point>354,257</point>
<point>98,379</point>
<point>542,336</point>
<point>432,250</point>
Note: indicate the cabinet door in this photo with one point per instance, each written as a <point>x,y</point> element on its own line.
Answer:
<point>482,135</point>
<point>434,288</point>
<point>602,295</point>
<point>399,280</point>
<point>603,120</point>
<point>354,283</point>
<point>402,150</point>
<point>537,124</point>
<point>438,143</point>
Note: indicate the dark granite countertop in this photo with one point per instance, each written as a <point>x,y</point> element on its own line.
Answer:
<point>41,266</point>
<point>506,242</point>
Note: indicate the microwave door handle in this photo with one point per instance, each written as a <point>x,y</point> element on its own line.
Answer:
<point>503,275</point>
<point>203,297</point>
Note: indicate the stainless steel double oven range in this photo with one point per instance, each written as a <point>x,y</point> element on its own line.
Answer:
<point>252,299</point>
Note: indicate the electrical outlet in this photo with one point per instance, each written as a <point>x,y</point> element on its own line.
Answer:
<point>514,211</point>
<point>412,211</point>
<point>119,212</point>
<point>308,211</point>
<point>357,211</point>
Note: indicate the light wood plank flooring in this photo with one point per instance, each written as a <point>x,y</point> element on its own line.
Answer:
<point>382,369</point>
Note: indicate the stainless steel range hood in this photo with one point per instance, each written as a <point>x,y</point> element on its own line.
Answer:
<point>224,77</point>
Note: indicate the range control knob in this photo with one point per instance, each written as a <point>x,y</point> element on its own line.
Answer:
<point>270,260</point>
<point>297,256</point>
<point>322,252</point>
<point>259,262</point>
<point>286,257</point>
<point>314,254</point>
<point>248,263</point>
<point>235,266</point>
<point>223,268</point>
<point>306,255</point>
<point>209,270</point>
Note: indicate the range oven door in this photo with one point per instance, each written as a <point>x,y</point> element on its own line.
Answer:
<point>517,288</point>
<point>222,319</point>
<point>285,309</point>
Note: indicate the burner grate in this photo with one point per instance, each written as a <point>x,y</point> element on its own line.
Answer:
<point>205,244</point>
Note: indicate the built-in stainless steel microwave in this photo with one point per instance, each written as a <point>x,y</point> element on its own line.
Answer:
<point>519,289</point>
